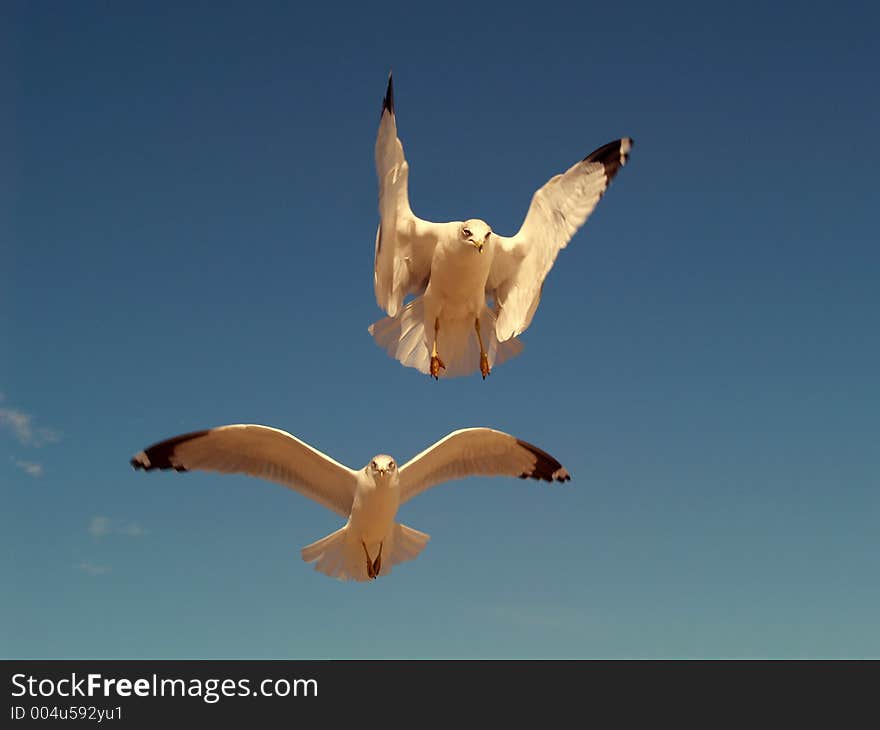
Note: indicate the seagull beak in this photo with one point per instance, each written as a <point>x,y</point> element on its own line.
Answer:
<point>477,245</point>
<point>382,472</point>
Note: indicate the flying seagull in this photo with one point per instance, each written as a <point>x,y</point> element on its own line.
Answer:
<point>453,268</point>
<point>370,541</point>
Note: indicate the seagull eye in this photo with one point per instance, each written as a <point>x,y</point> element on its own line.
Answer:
<point>374,466</point>
<point>390,464</point>
<point>466,232</point>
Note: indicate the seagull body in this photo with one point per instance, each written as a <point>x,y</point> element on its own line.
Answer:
<point>452,269</point>
<point>371,541</point>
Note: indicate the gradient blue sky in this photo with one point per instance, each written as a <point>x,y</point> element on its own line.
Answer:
<point>175,182</point>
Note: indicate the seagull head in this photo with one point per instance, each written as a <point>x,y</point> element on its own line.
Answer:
<point>383,467</point>
<point>475,233</point>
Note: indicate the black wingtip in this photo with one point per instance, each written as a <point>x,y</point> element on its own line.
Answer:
<point>546,467</point>
<point>613,155</point>
<point>161,455</point>
<point>388,101</point>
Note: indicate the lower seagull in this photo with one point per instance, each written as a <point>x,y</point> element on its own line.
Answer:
<point>370,541</point>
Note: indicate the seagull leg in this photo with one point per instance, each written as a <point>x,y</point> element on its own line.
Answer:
<point>484,358</point>
<point>377,563</point>
<point>370,572</point>
<point>436,362</point>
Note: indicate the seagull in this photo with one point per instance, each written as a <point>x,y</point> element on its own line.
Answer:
<point>452,268</point>
<point>370,541</point>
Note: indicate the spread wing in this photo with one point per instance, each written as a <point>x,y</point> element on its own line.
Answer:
<point>557,211</point>
<point>477,451</point>
<point>404,243</point>
<point>259,451</point>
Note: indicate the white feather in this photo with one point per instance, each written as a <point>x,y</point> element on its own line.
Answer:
<point>472,451</point>
<point>557,211</point>
<point>405,338</point>
<point>404,242</point>
<point>340,554</point>
<point>260,451</point>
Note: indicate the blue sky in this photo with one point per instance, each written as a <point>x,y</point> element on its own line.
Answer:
<point>176,181</point>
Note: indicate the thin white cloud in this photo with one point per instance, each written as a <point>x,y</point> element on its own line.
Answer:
<point>92,568</point>
<point>17,422</point>
<point>31,468</point>
<point>100,526</point>
<point>132,530</point>
<point>22,426</point>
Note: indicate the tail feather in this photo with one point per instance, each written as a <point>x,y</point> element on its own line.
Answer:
<point>403,338</point>
<point>406,544</point>
<point>341,555</point>
<point>334,555</point>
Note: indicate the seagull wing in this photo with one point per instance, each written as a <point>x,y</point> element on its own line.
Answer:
<point>404,243</point>
<point>259,451</point>
<point>557,211</point>
<point>477,451</point>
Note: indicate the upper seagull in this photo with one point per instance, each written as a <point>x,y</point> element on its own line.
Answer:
<point>368,498</point>
<point>453,268</point>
